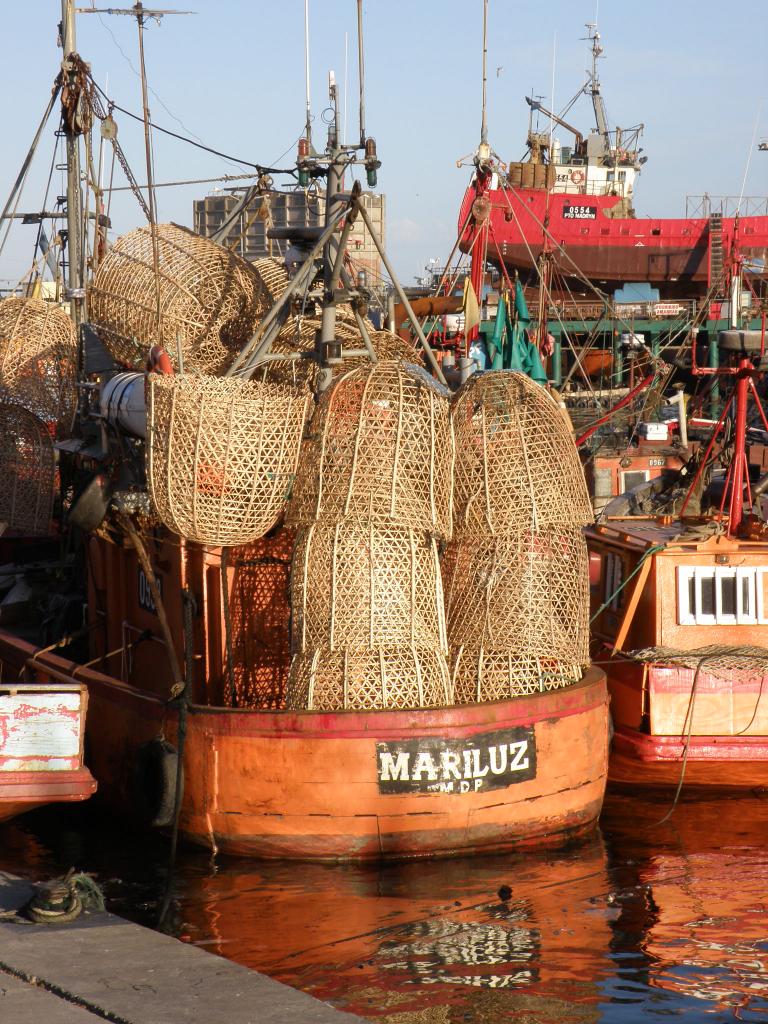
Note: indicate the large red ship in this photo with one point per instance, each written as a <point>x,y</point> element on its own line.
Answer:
<point>576,203</point>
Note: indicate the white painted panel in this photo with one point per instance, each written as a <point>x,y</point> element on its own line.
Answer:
<point>39,731</point>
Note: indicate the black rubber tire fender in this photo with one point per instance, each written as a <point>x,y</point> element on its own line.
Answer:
<point>155,770</point>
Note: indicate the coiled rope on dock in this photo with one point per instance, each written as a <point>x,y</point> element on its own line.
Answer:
<point>59,901</point>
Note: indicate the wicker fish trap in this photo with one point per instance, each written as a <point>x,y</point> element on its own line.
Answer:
<point>222,455</point>
<point>382,678</point>
<point>38,359</point>
<point>380,449</point>
<point>273,276</point>
<point>260,614</point>
<point>517,612</point>
<point>210,299</point>
<point>517,467</point>
<point>483,676</point>
<point>298,335</point>
<point>366,586</point>
<point>27,471</point>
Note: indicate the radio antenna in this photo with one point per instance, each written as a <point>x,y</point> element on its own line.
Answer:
<point>361,70</point>
<point>308,130</point>
<point>484,120</point>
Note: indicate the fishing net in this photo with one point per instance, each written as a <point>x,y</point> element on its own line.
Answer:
<point>381,450</point>
<point>368,679</point>
<point>38,359</point>
<point>222,455</point>
<point>517,613</point>
<point>210,299</point>
<point>366,586</point>
<point>725,662</point>
<point>27,471</point>
<point>517,467</point>
<point>259,575</point>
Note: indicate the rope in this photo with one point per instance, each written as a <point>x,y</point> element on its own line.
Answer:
<point>183,701</point>
<point>646,554</point>
<point>59,902</point>
<point>686,746</point>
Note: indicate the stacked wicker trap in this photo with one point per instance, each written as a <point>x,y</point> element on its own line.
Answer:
<point>210,299</point>
<point>381,449</point>
<point>259,608</point>
<point>38,363</point>
<point>38,359</point>
<point>372,495</point>
<point>222,455</point>
<point>299,331</point>
<point>517,581</point>
<point>28,471</point>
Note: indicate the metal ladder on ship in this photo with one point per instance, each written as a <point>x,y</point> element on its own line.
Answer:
<point>716,279</point>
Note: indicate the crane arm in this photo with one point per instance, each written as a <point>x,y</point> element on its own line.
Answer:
<point>535,105</point>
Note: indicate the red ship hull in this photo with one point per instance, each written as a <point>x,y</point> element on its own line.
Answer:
<point>588,240</point>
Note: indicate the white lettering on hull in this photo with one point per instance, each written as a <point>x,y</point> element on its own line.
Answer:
<point>430,764</point>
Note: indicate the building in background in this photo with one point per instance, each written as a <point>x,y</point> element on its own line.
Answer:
<point>248,231</point>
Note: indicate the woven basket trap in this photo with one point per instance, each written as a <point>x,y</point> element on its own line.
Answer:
<point>298,335</point>
<point>517,610</point>
<point>210,299</point>
<point>366,586</point>
<point>38,359</point>
<point>27,471</point>
<point>485,676</point>
<point>260,613</point>
<point>368,679</point>
<point>380,449</point>
<point>516,464</point>
<point>222,455</point>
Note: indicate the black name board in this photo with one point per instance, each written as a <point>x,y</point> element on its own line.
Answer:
<point>580,212</point>
<point>491,760</point>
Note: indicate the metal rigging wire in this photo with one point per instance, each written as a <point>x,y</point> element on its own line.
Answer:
<point>198,145</point>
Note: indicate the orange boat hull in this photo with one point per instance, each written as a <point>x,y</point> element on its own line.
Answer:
<point>727,747</point>
<point>362,785</point>
<point>596,362</point>
<point>24,791</point>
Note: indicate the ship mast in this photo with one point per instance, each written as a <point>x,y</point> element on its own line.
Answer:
<point>593,84</point>
<point>141,14</point>
<point>75,291</point>
<point>481,207</point>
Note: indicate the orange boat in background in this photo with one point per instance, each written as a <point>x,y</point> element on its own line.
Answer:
<point>688,595</point>
<point>686,707</point>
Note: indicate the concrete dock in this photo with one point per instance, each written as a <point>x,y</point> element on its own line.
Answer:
<point>101,967</point>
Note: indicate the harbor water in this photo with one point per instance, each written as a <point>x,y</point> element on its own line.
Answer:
<point>648,919</point>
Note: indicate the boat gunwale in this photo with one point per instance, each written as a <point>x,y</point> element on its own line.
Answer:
<point>577,698</point>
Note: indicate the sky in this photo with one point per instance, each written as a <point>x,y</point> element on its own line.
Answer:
<point>232,74</point>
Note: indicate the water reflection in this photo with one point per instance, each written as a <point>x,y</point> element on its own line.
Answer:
<point>704,930</point>
<point>646,921</point>
<point>404,938</point>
